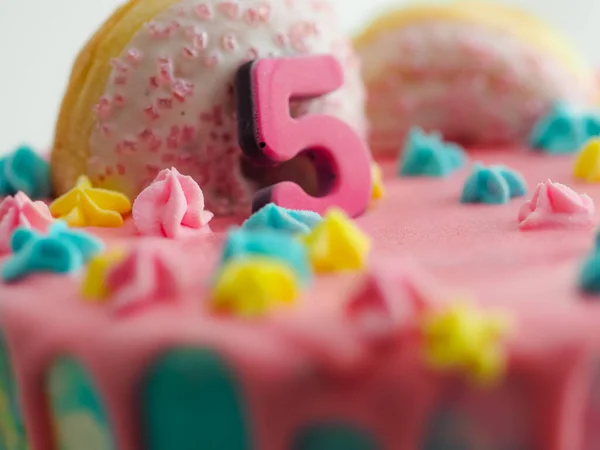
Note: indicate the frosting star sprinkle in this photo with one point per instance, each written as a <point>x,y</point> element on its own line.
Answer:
<point>587,165</point>
<point>277,218</point>
<point>61,251</point>
<point>87,206</point>
<point>378,188</point>
<point>252,287</point>
<point>463,337</point>
<point>337,244</point>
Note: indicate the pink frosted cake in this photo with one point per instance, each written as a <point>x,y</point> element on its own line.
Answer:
<point>144,307</point>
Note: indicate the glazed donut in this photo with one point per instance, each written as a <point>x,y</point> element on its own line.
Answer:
<point>154,88</point>
<point>480,73</point>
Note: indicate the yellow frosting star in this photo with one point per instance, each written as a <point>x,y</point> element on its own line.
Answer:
<point>87,206</point>
<point>587,165</point>
<point>462,337</point>
<point>337,244</point>
<point>251,287</point>
<point>378,188</point>
<point>94,287</point>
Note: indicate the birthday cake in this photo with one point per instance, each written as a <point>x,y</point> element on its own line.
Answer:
<point>212,258</point>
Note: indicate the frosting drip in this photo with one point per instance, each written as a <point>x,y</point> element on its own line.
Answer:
<point>556,205</point>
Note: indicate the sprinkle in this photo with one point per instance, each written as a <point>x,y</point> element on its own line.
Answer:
<point>229,9</point>
<point>165,103</point>
<point>134,55</point>
<point>61,251</point>
<point>151,113</point>
<point>182,89</point>
<point>103,109</point>
<point>461,337</point>
<point>587,165</point>
<point>428,155</point>
<point>165,71</point>
<point>189,53</point>
<point>276,218</point>
<point>210,61</point>
<point>282,247</point>
<point>200,40</point>
<point>228,42</point>
<point>253,287</point>
<point>85,205</point>
<point>203,11</point>
<point>494,185</point>
<point>24,170</point>
<point>336,244</point>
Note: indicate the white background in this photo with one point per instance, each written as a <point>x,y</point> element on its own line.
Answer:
<point>40,38</point>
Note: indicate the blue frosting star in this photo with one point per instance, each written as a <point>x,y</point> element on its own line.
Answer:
<point>564,130</point>
<point>24,170</point>
<point>276,218</point>
<point>428,155</point>
<point>62,250</point>
<point>243,243</point>
<point>494,185</point>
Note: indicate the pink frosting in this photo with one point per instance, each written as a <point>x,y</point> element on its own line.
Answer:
<point>556,205</point>
<point>172,206</point>
<point>21,211</point>
<point>146,276</point>
<point>390,297</point>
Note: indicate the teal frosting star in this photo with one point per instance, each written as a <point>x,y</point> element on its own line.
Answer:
<point>62,251</point>
<point>564,130</point>
<point>494,185</point>
<point>24,170</point>
<point>284,247</point>
<point>273,217</point>
<point>428,155</point>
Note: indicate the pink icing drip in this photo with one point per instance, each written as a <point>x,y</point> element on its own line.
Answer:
<point>145,277</point>
<point>172,206</point>
<point>20,211</point>
<point>557,205</point>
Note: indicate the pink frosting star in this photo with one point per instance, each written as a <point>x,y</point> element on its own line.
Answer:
<point>390,296</point>
<point>144,277</point>
<point>172,206</point>
<point>21,211</point>
<point>555,205</point>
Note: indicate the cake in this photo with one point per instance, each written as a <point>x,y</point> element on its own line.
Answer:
<point>440,297</point>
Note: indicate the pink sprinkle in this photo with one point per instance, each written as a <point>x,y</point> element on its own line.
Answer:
<point>159,31</point>
<point>155,143</point>
<point>203,11</point>
<point>230,9</point>
<point>189,53</point>
<point>181,12</point>
<point>121,169</point>
<point>184,158</point>
<point>200,40</point>
<point>103,109</point>
<point>119,100</point>
<point>182,89</point>
<point>173,141</point>
<point>253,53</point>
<point>134,55</point>
<point>153,81</point>
<point>188,133</point>
<point>210,61</point>
<point>145,134</point>
<point>151,112</point>
<point>119,66</point>
<point>130,144</point>
<point>121,80</point>
<point>264,12</point>
<point>165,71</point>
<point>279,40</point>
<point>228,42</point>
<point>106,129</point>
<point>152,169</point>
<point>165,103</point>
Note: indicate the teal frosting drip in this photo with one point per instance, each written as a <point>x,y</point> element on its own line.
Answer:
<point>24,170</point>
<point>191,400</point>
<point>12,430</point>
<point>428,155</point>
<point>276,218</point>
<point>78,414</point>
<point>494,185</point>
<point>334,436</point>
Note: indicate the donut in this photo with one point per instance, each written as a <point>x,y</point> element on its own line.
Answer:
<point>480,73</point>
<point>154,88</point>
